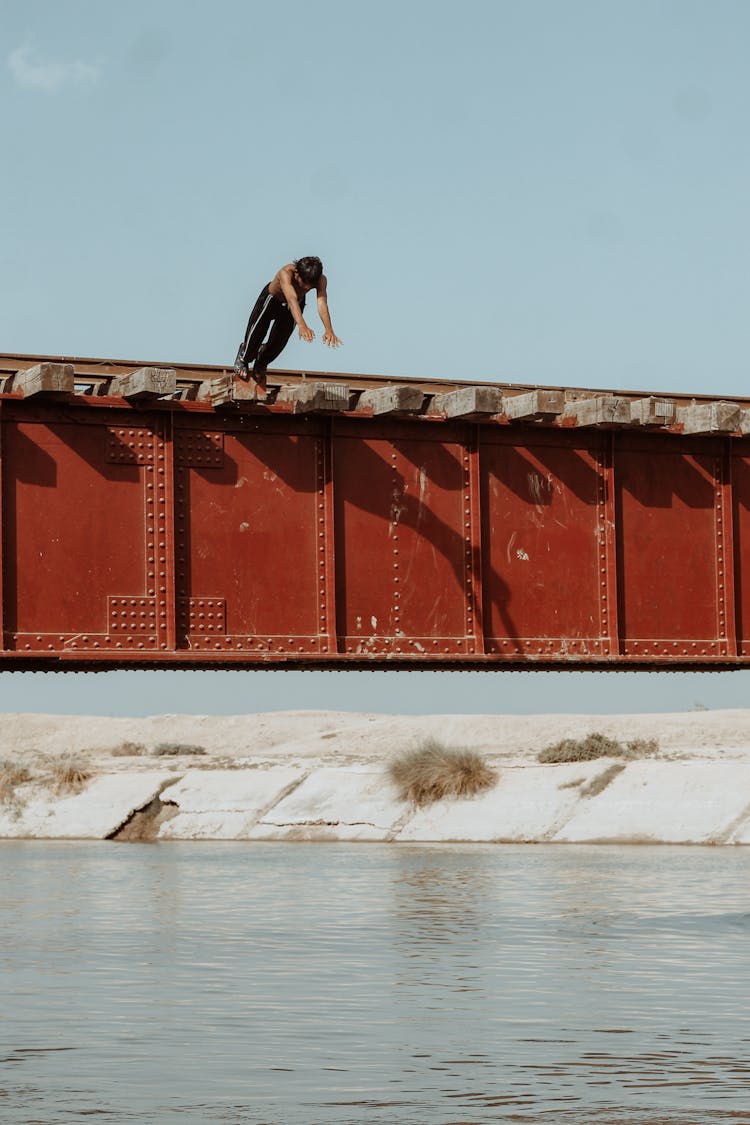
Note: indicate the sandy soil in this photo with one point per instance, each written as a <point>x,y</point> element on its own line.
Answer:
<point>341,738</point>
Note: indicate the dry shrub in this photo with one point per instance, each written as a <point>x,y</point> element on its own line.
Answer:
<point>12,774</point>
<point>128,750</point>
<point>596,745</point>
<point>432,771</point>
<point>642,747</point>
<point>172,749</point>
<point>66,774</point>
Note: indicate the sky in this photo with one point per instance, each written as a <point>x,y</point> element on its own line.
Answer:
<point>507,190</point>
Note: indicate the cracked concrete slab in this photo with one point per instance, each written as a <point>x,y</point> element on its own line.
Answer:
<point>357,802</point>
<point>664,802</point>
<point>528,803</point>
<point>741,832</point>
<point>93,814</point>
<point>231,790</point>
<point>221,824</point>
<point>224,804</point>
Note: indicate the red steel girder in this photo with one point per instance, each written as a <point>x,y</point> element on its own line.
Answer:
<point>170,533</point>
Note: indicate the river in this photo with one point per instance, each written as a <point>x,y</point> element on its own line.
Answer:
<point>277,984</point>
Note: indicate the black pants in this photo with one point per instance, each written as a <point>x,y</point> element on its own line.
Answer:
<point>268,312</point>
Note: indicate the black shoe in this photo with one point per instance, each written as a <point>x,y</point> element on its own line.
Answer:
<point>259,369</point>
<point>241,370</point>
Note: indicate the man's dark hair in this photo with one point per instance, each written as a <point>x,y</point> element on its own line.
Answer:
<point>310,270</point>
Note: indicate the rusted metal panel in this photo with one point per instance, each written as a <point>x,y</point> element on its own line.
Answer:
<point>740,482</point>
<point>83,523</point>
<point>672,548</point>
<point>473,528</point>
<point>404,547</point>
<point>545,545</point>
<point>251,567</point>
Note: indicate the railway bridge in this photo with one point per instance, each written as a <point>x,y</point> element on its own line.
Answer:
<point>161,516</point>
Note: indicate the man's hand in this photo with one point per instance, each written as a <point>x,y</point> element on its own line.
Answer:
<point>331,340</point>
<point>306,334</point>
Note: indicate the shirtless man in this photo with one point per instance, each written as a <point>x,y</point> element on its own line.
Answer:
<point>279,307</point>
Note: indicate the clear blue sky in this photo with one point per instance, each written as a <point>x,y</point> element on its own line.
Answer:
<point>532,191</point>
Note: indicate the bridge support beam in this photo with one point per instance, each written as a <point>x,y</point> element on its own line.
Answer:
<point>603,410</point>
<point>337,522</point>
<point>710,418</point>
<point>468,403</point>
<point>392,400</point>
<point>653,411</point>
<point>45,379</point>
<point>227,390</point>
<point>311,397</point>
<point>534,406</point>
<point>145,383</point>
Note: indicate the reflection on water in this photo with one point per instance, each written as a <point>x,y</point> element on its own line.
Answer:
<point>285,984</point>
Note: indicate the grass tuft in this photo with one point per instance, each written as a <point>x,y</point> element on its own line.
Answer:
<point>433,771</point>
<point>12,774</point>
<point>173,749</point>
<point>642,747</point>
<point>65,774</point>
<point>596,745</point>
<point>128,750</point>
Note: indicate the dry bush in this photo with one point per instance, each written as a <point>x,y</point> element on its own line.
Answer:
<point>172,749</point>
<point>432,771</point>
<point>596,745</point>
<point>12,774</point>
<point>68,773</point>
<point>642,747</point>
<point>128,750</point>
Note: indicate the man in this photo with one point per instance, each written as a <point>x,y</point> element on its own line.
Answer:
<point>278,308</point>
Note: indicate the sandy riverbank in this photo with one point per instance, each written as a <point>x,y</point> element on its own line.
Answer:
<point>322,775</point>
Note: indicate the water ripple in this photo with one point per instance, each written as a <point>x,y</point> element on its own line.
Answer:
<point>290,985</point>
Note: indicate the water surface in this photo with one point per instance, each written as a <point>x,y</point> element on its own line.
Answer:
<point>285,984</point>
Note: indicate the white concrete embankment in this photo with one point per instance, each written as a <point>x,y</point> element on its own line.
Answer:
<point>322,776</point>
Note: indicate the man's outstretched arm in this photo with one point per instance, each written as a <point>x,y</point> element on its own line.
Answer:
<point>329,336</point>
<point>290,296</point>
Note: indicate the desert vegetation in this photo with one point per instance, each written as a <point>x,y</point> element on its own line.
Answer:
<point>432,771</point>
<point>128,750</point>
<point>63,774</point>
<point>174,749</point>
<point>12,774</point>
<point>597,745</point>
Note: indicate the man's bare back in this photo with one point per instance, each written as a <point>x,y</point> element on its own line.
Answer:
<point>289,276</point>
